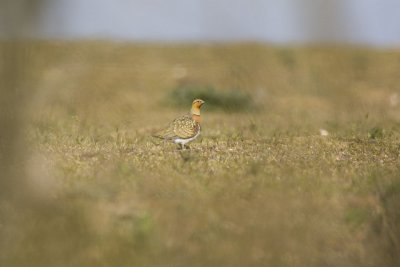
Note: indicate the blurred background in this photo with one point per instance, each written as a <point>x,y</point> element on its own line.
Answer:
<point>299,159</point>
<point>365,22</point>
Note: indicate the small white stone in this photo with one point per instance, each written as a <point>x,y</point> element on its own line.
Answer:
<point>394,99</point>
<point>323,132</point>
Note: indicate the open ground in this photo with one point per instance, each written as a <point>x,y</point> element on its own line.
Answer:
<point>298,162</point>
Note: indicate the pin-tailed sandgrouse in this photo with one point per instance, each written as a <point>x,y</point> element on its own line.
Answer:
<point>184,129</point>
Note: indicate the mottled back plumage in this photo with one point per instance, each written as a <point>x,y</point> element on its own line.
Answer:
<point>184,127</point>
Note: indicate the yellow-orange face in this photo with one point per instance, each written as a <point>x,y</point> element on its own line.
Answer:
<point>197,103</point>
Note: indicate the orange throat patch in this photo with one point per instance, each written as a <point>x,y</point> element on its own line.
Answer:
<point>196,118</point>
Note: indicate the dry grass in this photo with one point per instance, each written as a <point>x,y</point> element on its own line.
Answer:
<point>262,187</point>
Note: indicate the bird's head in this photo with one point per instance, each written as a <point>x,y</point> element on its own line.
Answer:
<point>196,105</point>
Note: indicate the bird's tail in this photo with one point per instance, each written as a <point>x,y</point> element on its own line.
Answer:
<point>156,135</point>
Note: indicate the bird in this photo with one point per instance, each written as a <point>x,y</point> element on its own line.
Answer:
<point>184,129</point>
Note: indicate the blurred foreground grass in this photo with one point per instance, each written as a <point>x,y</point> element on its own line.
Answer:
<point>307,173</point>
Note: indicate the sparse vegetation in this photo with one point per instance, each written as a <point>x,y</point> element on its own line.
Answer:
<point>261,188</point>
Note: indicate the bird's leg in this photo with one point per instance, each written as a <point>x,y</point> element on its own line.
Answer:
<point>183,146</point>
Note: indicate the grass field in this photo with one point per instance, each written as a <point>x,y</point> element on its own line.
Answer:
<point>298,163</point>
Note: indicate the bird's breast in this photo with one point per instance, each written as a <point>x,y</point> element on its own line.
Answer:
<point>196,118</point>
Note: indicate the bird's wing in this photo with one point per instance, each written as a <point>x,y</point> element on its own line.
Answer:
<point>182,127</point>
<point>185,127</point>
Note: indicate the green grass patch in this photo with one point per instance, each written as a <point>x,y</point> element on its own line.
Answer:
<point>357,216</point>
<point>376,133</point>
<point>225,100</point>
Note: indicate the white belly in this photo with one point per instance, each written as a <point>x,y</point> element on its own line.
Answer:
<point>185,141</point>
